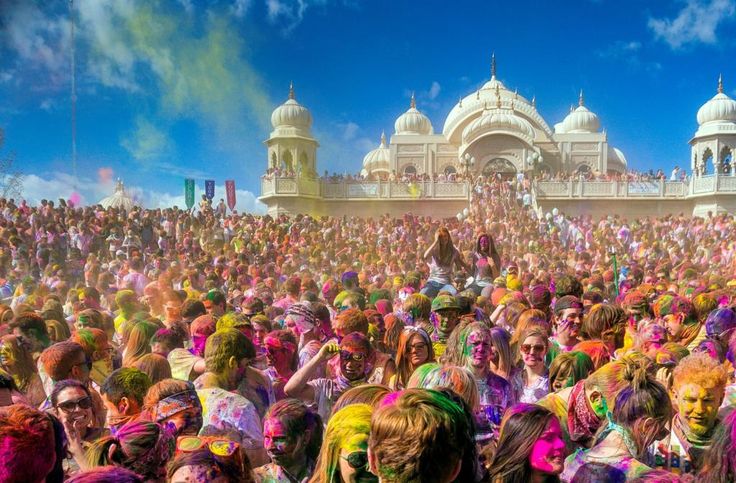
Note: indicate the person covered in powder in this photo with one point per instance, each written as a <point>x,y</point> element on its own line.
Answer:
<point>470,347</point>
<point>678,317</point>
<point>355,358</point>
<point>442,257</point>
<point>445,316</point>
<point>292,436</point>
<point>227,355</point>
<point>567,320</point>
<point>698,388</point>
<point>422,435</point>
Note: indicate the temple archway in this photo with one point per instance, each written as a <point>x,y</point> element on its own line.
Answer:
<point>499,165</point>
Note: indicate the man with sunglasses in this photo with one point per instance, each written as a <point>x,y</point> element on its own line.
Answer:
<point>356,356</point>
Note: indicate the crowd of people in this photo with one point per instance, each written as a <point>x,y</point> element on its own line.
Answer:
<point>501,346</point>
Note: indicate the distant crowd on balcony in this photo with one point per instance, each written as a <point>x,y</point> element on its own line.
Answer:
<point>452,176</point>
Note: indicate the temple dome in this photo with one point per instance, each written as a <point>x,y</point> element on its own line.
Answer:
<point>291,114</point>
<point>581,120</point>
<point>378,159</point>
<point>413,122</point>
<point>119,199</point>
<point>498,119</point>
<point>720,108</point>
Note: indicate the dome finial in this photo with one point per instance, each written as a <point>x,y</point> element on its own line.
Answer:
<point>383,139</point>
<point>291,90</point>
<point>516,93</point>
<point>534,100</point>
<point>460,102</point>
<point>720,83</point>
<point>581,99</point>
<point>413,103</point>
<point>477,95</point>
<point>493,65</point>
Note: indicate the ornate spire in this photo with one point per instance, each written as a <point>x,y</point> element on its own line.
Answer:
<point>413,103</point>
<point>516,93</point>
<point>493,65</point>
<point>581,99</point>
<point>291,90</point>
<point>383,139</point>
<point>534,101</point>
<point>477,94</point>
<point>720,83</point>
<point>460,102</point>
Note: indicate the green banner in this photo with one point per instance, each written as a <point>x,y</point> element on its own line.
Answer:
<point>189,193</point>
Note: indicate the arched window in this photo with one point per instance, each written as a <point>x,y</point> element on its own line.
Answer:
<point>707,161</point>
<point>449,170</point>
<point>726,166</point>
<point>583,169</point>
<point>288,161</point>
<point>410,170</point>
<point>304,164</point>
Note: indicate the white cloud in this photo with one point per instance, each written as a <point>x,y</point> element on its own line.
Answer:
<point>350,129</point>
<point>240,7</point>
<point>47,105</point>
<point>696,22</point>
<point>629,53</point>
<point>41,41</point>
<point>90,191</point>
<point>434,90</point>
<point>290,13</point>
<point>187,4</point>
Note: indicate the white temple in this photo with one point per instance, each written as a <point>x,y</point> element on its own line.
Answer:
<point>491,130</point>
<point>119,199</point>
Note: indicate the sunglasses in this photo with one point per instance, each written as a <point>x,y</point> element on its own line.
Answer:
<point>537,348</point>
<point>354,356</point>
<point>357,459</point>
<point>217,445</point>
<point>69,406</point>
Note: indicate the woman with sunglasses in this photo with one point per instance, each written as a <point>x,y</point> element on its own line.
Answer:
<point>414,349</point>
<point>72,404</point>
<point>344,454</point>
<point>532,382</point>
<point>292,436</point>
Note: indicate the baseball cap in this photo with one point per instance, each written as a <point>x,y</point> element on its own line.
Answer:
<point>444,301</point>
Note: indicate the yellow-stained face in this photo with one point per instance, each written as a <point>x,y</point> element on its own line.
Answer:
<point>698,406</point>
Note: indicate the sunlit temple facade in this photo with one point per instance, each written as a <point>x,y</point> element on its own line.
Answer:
<point>492,130</point>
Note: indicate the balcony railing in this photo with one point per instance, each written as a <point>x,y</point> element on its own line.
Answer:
<point>571,189</point>
<point>344,189</point>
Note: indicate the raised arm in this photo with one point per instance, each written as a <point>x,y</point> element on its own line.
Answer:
<point>297,385</point>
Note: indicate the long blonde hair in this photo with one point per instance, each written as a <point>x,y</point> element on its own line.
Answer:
<point>345,428</point>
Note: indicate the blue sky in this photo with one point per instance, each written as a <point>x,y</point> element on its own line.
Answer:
<point>178,88</point>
